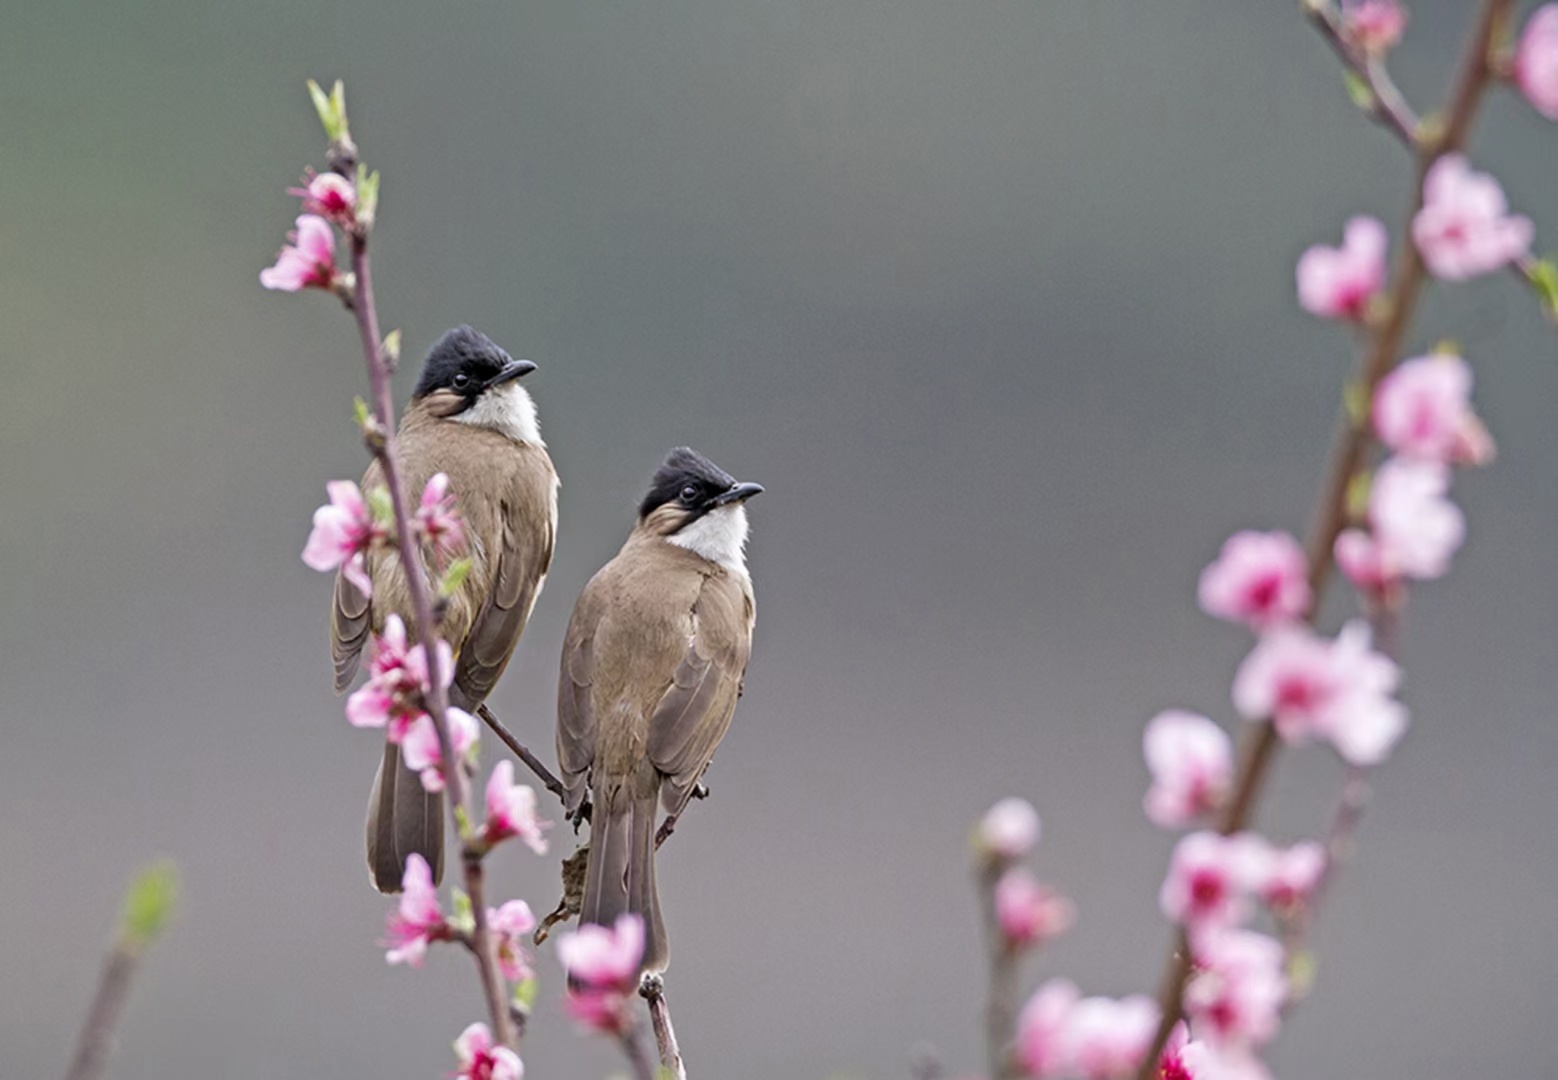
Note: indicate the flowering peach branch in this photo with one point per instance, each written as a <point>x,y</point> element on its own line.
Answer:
<point>1385,339</point>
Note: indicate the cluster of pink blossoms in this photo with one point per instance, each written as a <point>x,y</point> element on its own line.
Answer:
<point>1027,912</point>
<point>308,262</point>
<point>481,1058</point>
<point>346,529</point>
<point>603,973</point>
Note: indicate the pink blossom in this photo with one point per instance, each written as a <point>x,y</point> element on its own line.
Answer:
<point>1258,578</point>
<point>1209,878</point>
<point>1422,410</point>
<point>417,921</point>
<point>1106,1038</point>
<point>1418,528</point>
<point>1030,913</point>
<point>1311,687</point>
<point>511,810</point>
<point>422,754</point>
<point>398,682</point>
<point>1339,283</point>
<point>1191,761</point>
<point>1536,61</point>
<point>603,966</point>
<point>331,196</point>
<point>509,925</point>
<point>1203,1061</point>
<point>1464,228</point>
<point>309,262</point>
<point>437,521</point>
<point>1009,829</point>
<point>1290,876</point>
<point>481,1058</point>
<point>343,531</point>
<point>1042,1028</point>
<point>1235,999</point>
<point>1374,25</point>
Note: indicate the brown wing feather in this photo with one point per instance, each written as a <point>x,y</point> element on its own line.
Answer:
<point>348,631</point>
<point>575,712</point>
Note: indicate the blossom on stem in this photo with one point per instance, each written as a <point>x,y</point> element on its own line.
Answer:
<point>510,925</point>
<point>308,262</point>
<point>1234,1000</point>
<point>417,920</point>
<point>1375,26</point>
<point>1258,578</point>
<point>1339,282</point>
<point>398,682</point>
<point>343,532</point>
<point>511,810</point>
<point>1536,61</point>
<point>603,969</point>
<point>1464,229</point>
<point>1028,912</point>
<point>1422,410</point>
<point>330,196</point>
<point>420,750</point>
<point>1314,688</point>
<point>481,1058</point>
<point>1209,879</point>
<point>1008,830</point>
<point>1108,1037</point>
<point>1191,760</point>
<point>1413,528</point>
<point>1290,876</point>
<point>1040,1046</point>
<point>436,521</point>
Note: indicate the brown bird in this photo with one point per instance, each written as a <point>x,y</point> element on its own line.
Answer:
<point>470,419</point>
<point>651,670</point>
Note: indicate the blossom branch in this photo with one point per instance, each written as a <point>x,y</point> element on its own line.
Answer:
<point>653,991</point>
<point>1001,997</point>
<point>1384,102</point>
<point>533,763</point>
<point>1383,348</point>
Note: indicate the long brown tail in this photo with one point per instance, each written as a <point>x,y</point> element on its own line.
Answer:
<point>403,819</point>
<point>621,874</point>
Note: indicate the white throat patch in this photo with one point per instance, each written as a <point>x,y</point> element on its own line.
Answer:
<point>509,410</point>
<point>719,536</point>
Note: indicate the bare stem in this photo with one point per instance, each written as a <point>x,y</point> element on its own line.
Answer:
<point>97,1034</point>
<point>633,1050</point>
<point>653,991</point>
<point>437,698</point>
<point>1001,1003</point>
<point>1258,749</point>
<point>535,764</point>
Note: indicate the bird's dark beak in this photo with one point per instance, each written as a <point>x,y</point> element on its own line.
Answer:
<point>739,493</point>
<point>514,369</point>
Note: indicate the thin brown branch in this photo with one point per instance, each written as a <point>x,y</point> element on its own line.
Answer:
<point>633,1050</point>
<point>1001,1000</point>
<point>535,764</point>
<point>653,991</point>
<point>1348,454</point>
<point>437,699</point>
<point>97,1034</point>
<point>1386,106</point>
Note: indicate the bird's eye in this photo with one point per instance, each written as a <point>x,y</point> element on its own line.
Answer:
<point>689,494</point>
<point>461,381</point>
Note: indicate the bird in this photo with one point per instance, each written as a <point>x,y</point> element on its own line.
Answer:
<point>652,664</point>
<point>471,420</point>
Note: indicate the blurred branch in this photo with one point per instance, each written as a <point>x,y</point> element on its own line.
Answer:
<point>1001,1002</point>
<point>653,991</point>
<point>1383,347</point>
<point>1384,103</point>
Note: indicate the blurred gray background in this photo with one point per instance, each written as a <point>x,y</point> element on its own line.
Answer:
<point>996,299</point>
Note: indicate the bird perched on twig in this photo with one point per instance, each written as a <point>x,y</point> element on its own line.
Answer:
<point>651,670</point>
<point>470,419</point>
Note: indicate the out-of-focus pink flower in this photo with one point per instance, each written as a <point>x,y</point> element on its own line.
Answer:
<point>1030,913</point>
<point>417,920</point>
<point>1339,283</point>
<point>1311,688</point>
<point>1422,410</point>
<point>1209,878</point>
<point>511,810</point>
<point>1258,578</point>
<point>331,196</point>
<point>1417,527</point>
<point>1107,1037</point>
<point>1289,876</point>
<point>1374,25</point>
<point>1464,228</point>
<point>509,925</point>
<point>481,1058</point>
<point>1536,61</point>
<point>1042,1028</point>
<point>422,754</point>
<point>1009,829</point>
<point>603,968</point>
<point>397,683</point>
<point>1203,1061</point>
<point>437,521</point>
<point>1191,761</point>
<point>343,531</point>
<point>1235,999</point>
<point>308,262</point>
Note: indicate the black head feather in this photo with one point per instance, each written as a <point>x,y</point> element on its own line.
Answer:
<point>461,352</point>
<point>689,479</point>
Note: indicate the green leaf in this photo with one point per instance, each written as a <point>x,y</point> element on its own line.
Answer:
<point>379,504</point>
<point>1355,400</point>
<point>324,108</point>
<point>1544,278</point>
<point>361,414</point>
<point>462,821</point>
<point>455,576</point>
<point>148,904</point>
<point>525,993</point>
<point>391,347</point>
<point>461,916</point>
<point>1359,90</point>
<point>367,196</point>
<point>1358,489</point>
